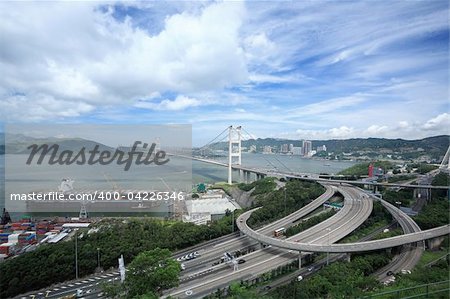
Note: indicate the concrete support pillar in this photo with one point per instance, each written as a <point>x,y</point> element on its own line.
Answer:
<point>435,243</point>
<point>348,257</point>
<point>299,260</point>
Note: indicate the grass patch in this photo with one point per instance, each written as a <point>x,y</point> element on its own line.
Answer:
<point>361,233</point>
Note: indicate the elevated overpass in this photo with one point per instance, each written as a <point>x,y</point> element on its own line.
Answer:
<point>341,248</point>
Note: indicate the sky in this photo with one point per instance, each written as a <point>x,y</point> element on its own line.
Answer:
<point>298,70</point>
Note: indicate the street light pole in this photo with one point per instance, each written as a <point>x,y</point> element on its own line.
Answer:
<point>76,254</point>
<point>232,221</point>
<point>98,258</point>
<point>398,203</point>
<point>328,252</point>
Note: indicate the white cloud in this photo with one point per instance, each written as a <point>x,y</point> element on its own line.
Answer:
<point>376,130</point>
<point>331,105</point>
<point>41,107</point>
<point>403,124</point>
<point>180,103</point>
<point>438,123</point>
<point>79,52</point>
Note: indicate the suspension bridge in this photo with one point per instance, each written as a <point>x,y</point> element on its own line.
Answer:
<point>234,135</point>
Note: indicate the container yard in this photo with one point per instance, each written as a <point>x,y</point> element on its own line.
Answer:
<point>26,234</point>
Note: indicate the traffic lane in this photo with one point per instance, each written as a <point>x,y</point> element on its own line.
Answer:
<point>69,288</point>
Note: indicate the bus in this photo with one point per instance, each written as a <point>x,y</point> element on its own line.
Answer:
<point>279,232</point>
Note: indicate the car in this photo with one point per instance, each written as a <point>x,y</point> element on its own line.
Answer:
<point>406,271</point>
<point>299,278</point>
<point>266,288</point>
<point>389,273</point>
<point>183,267</point>
<point>241,261</point>
<point>311,269</point>
<point>196,254</point>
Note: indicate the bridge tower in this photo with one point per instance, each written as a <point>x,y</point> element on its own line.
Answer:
<point>234,150</point>
<point>83,211</point>
<point>445,164</point>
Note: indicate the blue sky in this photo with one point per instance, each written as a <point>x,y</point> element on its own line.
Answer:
<point>303,69</point>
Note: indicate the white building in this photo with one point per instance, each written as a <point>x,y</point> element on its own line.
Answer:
<point>297,150</point>
<point>197,218</point>
<point>267,149</point>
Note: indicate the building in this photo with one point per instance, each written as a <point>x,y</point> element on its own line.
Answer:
<point>375,171</point>
<point>284,149</point>
<point>297,150</point>
<point>321,148</point>
<point>197,218</point>
<point>307,148</point>
<point>267,149</point>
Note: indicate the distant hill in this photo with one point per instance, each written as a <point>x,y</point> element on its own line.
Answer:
<point>19,143</point>
<point>434,146</point>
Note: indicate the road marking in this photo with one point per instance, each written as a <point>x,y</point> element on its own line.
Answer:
<point>78,283</point>
<point>98,278</point>
<point>109,274</point>
<point>71,285</point>
<point>91,279</point>
<point>63,287</point>
<point>55,290</point>
<point>85,281</point>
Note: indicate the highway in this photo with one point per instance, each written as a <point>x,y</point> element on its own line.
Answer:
<point>354,212</point>
<point>210,255</point>
<point>347,247</point>
<point>201,277</point>
<point>211,252</point>
<point>410,253</point>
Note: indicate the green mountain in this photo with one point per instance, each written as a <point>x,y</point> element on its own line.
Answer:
<point>19,143</point>
<point>435,146</point>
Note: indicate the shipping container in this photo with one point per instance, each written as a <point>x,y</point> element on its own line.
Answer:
<point>7,248</point>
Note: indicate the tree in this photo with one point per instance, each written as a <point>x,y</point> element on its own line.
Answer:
<point>151,272</point>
